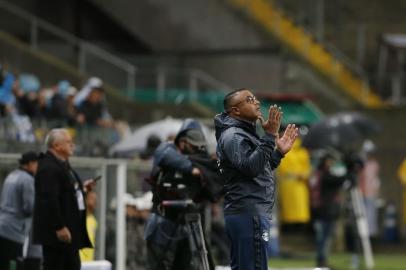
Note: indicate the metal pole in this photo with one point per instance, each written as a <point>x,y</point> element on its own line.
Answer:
<point>121,245</point>
<point>320,20</point>
<point>103,214</point>
<point>161,83</point>
<point>365,88</point>
<point>34,34</point>
<point>361,34</point>
<point>130,80</point>
<point>382,61</point>
<point>82,57</point>
<point>193,85</point>
<point>398,78</point>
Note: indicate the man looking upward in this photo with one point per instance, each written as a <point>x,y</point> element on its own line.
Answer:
<point>247,162</point>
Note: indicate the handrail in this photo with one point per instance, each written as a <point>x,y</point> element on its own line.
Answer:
<point>196,77</point>
<point>340,55</point>
<point>211,80</point>
<point>105,55</point>
<point>348,76</point>
<point>84,46</point>
<point>349,63</point>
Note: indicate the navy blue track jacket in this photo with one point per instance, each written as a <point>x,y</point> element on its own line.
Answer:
<point>246,162</point>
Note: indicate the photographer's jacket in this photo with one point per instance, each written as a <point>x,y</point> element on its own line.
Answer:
<point>247,163</point>
<point>167,159</point>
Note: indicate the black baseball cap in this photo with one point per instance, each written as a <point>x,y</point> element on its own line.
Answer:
<point>28,157</point>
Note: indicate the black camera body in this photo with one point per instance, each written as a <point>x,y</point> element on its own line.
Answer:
<point>174,185</point>
<point>353,164</point>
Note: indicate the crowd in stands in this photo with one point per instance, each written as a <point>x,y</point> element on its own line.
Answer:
<point>27,106</point>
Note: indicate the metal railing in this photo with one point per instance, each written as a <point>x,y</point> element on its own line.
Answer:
<point>352,78</point>
<point>349,63</point>
<point>117,179</point>
<point>166,78</point>
<point>83,48</point>
<point>160,78</point>
<point>330,47</point>
<point>23,133</point>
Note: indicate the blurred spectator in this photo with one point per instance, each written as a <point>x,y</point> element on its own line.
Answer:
<point>293,174</point>
<point>16,208</point>
<point>138,210</point>
<point>325,186</point>
<point>7,99</point>
<point>153,142</point>
<point>402,178</point>
<point>21,128</point>
<point>26,93</point>
<point>87,254</point>
<point>92,83</point>
<point>369,184</point>
<point>391,232</point>
<point>90,105</point>
<point>61,106</point>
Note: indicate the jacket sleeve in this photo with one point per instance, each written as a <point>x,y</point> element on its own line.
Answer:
<point>246,157</point>
<point>49,192</point>
<point>171,159</point>
<point>28,194</point>
<point>276,158</point>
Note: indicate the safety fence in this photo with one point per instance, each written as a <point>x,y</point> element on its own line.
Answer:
<point>118,177</point>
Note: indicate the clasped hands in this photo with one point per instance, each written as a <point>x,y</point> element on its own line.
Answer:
<point>272,126</point>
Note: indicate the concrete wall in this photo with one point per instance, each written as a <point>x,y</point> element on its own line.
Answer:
<point>183,24</point>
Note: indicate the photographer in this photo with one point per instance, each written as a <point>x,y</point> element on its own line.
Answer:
<point>325,187</point>
<point>174,177</point>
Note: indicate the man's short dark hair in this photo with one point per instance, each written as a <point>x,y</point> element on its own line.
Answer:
<point>227,102</point>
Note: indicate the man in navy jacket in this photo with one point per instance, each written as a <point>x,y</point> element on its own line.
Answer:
<point>247,162</point>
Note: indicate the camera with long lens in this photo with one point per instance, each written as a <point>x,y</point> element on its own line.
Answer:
<point>180,187</point>
<point>174,185</point>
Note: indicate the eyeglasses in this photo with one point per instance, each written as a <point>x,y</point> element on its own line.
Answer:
<point>248,99</point>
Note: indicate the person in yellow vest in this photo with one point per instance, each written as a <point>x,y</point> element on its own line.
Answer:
<point>87,254</point>
<point>293,174</point>
<point>402,177</point>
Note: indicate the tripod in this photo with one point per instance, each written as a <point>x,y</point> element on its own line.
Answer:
<point>195,233</point>
<point>358,207</point>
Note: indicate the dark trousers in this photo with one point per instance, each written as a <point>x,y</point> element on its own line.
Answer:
<point>57,258</point>
<point>32,264</point>
<point>249,238</point>
<point>176,256</point>
<point>324,230</point>
<point>9,250</point>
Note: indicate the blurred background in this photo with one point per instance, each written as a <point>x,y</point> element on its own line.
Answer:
<point>122,75</point>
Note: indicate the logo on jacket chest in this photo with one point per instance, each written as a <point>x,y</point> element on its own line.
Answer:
<point>265,235</point>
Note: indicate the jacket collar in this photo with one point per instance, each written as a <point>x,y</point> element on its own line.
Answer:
<point>224,121</point>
